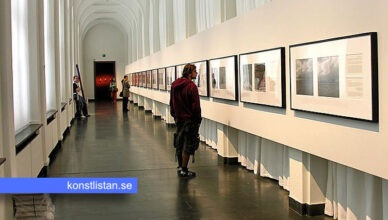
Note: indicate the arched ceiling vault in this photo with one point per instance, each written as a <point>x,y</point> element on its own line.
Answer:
<point>127,15</point>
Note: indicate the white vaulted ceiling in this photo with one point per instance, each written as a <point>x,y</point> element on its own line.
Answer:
<point>151,25</point>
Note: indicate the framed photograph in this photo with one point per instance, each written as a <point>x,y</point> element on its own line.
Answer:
<point>162,78</point>
<point>179,70</point>
<point>170,76</point>
<point>148,80</point>
<point>223,78</point>
<point>336,77</point>
<point>139,79</point>
<point>202,78</point>
<point>262,77</point>
<point>143,77</point>
<point>154,79</point>
<point>134,79</point>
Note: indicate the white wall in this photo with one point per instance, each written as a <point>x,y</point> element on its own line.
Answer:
<point>356,144</point>
<point>103,39</point>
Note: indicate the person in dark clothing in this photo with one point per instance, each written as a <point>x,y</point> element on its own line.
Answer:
<point>126,87</point>
<point>186,109</point>
<point>79,99</point>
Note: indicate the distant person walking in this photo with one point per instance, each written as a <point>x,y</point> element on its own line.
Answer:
<point>186,110</point>
<point>113,90</point>
<point>79,99</point>
<point>126,87</point>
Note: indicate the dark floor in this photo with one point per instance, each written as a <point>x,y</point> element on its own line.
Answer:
<point>110,144</point>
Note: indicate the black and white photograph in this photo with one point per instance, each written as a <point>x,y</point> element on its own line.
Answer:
<point>304,77</point>
<point>223,78</point>
<point>262,76</point>
<point>328,76</point>
<point>247,77</point>
<point>336,76</point>
<point>202,76</point>
<point>215,78</point>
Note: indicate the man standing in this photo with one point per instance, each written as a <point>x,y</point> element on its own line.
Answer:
<point>125,93</point>
<point>79,99</point>
<point>186,109</point>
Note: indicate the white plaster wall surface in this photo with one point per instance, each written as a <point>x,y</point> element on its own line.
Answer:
<point>103,39</point>
<point>356,144</point>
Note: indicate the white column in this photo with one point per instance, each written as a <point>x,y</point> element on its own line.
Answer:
<point>227,141</point>
<point>57,68</point>
<point>308,177</point>
<point>141,101</point>
<point>42,80</point>
<point>7,142</point>
<point>7,136</point>
<point>385,199</point>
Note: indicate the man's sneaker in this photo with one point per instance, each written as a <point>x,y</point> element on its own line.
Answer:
<point>178,170</point>
<point>186,173</point>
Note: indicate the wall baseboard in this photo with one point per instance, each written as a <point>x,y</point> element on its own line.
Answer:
<point>306,209</point>
<point>228,160</point>
<point>157,117</point>
<point>54,153</point>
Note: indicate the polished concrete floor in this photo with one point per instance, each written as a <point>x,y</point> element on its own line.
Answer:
<point>133,144</point>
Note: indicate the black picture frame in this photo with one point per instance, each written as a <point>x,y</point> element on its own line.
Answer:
<point>280,78</point>
<point>234,68</point>
<point>346,102</point>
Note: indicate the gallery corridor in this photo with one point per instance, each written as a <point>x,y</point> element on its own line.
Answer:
<point>110,144</point>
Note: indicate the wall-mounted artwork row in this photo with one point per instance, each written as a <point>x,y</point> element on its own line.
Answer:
<point>202,78</point>
<point>154,79</point>
<point>262,77</point>
<point>223,78</point>
<point>336,76</point>
<point>162,78</point>
<point>170,76</point>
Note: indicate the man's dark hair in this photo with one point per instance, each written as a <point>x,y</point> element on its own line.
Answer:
<point>189,68</point>
<point>74,77</point>
<point>125,76</point>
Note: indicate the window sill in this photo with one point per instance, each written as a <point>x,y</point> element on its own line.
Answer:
<point>25,136</point>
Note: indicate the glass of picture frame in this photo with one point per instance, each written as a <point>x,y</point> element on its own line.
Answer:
<point>202,78</point>
<point>336,76</point>
<point>162,78</point>
<point>179,70</point>
<point>154,79</point>
<point>149,73</point>
<point>262,77</point>
<point>223,78</point>
<point>170,76</point>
